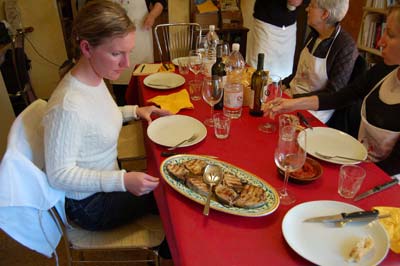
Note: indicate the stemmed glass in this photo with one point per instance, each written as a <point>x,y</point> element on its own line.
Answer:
<point>212,92</point>
<point>271,90</point>
<point>195,62</point>
<point>290,156</point>
<point>202,45</point>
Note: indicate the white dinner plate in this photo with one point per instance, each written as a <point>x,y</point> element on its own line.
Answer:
<point>328,245</point>
<point>170,130</point>
<point>330,141</point>
<point>175,61</point>
<point>164,80</point>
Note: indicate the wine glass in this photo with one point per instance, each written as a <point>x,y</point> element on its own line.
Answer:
<point>290,156</point>
<point>212,92</point>
<point>202,45</point>
<point>272,90</point>
<point>195,62</point>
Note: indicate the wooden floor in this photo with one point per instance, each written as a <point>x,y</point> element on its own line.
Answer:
<point>14,254</point>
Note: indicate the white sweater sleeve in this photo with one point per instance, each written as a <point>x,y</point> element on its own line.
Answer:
<point>129,112</point>
<point>63,140</point>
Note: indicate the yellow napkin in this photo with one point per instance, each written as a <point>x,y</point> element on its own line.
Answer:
<point>174,101</point>
<point>167,67</point>
<point>206,7</point>
<point>392,225</point>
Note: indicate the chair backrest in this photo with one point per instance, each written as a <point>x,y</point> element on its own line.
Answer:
<point>176,39</point>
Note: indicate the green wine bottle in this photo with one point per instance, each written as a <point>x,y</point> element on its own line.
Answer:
<point>258,80</point>
<point>218,72</point>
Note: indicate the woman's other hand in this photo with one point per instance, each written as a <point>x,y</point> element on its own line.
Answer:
<point>139,183</point>
<point>145,112</point>
<point>282,105</point>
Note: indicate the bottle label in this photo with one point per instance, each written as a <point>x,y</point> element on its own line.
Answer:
<point>233,100</point>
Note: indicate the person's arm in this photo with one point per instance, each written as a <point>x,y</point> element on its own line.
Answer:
<point>156,10</point>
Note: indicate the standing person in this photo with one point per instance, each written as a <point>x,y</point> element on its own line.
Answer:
<point>327,60</point>
<point>82,125</point>
<point>379,89</point>
<point>143,13</point>
<point>274,34</point>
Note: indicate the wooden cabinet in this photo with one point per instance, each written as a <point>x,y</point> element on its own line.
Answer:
<point>229,25</point>
<point>372,27</point>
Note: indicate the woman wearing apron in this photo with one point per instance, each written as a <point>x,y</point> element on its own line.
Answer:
<point>380,90</point>
<point>274,34</point>
<point>143,18</point>
<point>327,60</point>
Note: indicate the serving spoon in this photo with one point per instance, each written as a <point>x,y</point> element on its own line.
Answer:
<point>212,176</point>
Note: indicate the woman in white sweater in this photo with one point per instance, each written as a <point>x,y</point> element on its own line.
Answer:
<point>82,125</point>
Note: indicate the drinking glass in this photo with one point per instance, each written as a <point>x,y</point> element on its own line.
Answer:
<point>212,92</point>
<point>271,90</point>
<point>195,62</point>
<point>290,156</point>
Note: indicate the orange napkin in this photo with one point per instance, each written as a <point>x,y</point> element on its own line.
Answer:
<point>392,225</point>
<point>173,102</point>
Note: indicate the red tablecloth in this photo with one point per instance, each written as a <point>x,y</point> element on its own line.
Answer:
<point>224,239</point>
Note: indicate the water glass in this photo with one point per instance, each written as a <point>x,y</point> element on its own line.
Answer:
<point>183,63</point>
<point>195,89</point>
<point>350,179</point>
<point>222,125</point>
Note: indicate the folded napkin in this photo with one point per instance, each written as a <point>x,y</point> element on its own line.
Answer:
<point>146,69</point>
<point>392,225</point>
<point>167,67</point>
<point>173,102</point>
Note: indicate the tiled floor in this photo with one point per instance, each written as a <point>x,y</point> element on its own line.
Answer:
<point>14,254</point>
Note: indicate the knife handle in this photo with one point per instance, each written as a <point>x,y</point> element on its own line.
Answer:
<point>303,119</point>
<point>360,214</point>
<point>386,185</point>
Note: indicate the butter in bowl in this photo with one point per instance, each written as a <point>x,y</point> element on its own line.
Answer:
<point>311,171</point>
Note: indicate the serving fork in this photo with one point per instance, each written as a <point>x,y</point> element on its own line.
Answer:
<point>328,157</point>
<point>192,138</point>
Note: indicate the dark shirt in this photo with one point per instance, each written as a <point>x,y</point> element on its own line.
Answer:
<point>339,63</point>
<point>274,12</point>
<point>377,111</point>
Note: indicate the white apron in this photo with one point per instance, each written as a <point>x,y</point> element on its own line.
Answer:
<point>143,51</point>
<point>312,76</point>
<point>379,142</point>
<point>277,43</point>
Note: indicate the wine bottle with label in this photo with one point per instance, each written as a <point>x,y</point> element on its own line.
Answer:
<point>258,80</point>
<point>218,72</point>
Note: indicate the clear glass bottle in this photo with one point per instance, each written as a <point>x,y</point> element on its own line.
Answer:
<point>235,65</point>
<point>233,100</point>
<point>212,39</point>
<point>258,80</point>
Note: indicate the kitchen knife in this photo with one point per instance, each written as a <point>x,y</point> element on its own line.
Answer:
<point>171,153</point>
<point>304,120</point>
<point>360,216</point>
<point>376,189</point>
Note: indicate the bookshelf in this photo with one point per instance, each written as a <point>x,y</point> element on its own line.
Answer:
<point>372,27</point>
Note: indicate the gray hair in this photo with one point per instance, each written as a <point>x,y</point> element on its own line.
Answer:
<point>337,9</point>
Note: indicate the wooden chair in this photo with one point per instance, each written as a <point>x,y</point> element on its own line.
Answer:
<point>176,39</point>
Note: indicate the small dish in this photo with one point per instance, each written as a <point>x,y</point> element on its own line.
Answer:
<point>311,170</point>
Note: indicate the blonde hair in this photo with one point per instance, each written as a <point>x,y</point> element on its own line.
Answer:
<point>393,9</point>
<point>98,21</point>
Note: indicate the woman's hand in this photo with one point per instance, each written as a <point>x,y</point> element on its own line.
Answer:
<point>145,112</point>
<point>139,183</point>
<point>281,105</point>
<point>149,21</point>
<point>295,2</point>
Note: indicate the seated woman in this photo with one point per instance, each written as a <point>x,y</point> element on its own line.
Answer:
<point>82,125</point>
<point>380,90</point>
<point>326,62</point>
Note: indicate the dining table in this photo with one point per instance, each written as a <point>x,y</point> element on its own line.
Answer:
<point>227,239</point>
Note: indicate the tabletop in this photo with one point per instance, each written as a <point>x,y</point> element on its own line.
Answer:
<point>225,239</point>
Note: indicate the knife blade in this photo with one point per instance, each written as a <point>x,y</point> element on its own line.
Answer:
<point>360,216</point>
<point>376,189</point>
<point>304,120</point>
<point>171,153</point>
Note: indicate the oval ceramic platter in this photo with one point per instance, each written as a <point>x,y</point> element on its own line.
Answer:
<point>272,196</point>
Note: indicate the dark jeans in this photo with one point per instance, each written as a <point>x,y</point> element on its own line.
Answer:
<point>103,210</point>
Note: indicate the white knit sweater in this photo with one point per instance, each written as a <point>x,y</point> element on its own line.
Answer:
<point>82,125</point>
